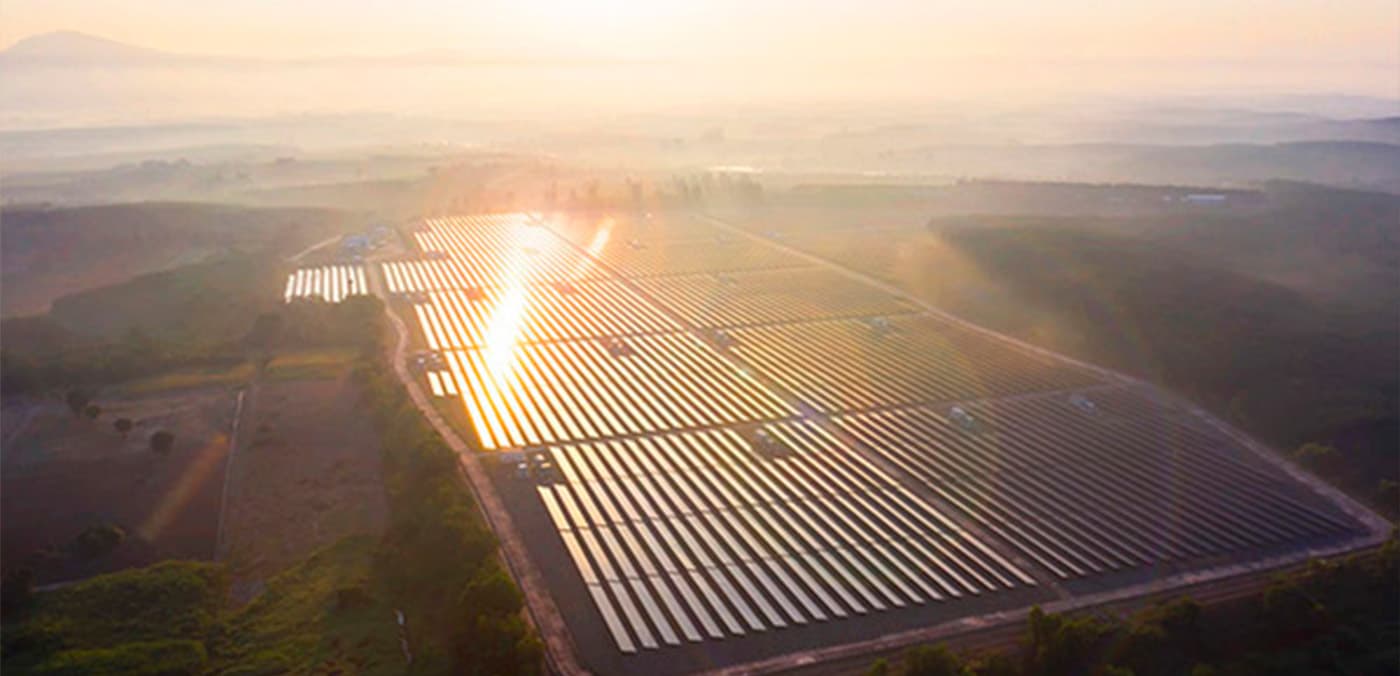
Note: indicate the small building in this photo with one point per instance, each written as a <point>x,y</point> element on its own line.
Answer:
<point>1205,198</point>
<point>355,245</point>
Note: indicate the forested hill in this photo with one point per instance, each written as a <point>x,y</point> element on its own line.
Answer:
<point>1284,321</point>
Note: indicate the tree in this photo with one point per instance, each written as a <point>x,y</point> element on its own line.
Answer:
<point>352,597</point>
<point>162,442</point>
<point>496,644</point>
<point>1387,492</point>
<point>77,400</point>
<point>1316,456</point>
<point>16,590</point>
<point>491,591</point>
<point>1164,638</point>
<point>91,411</point>
<point>935,660</point>
<point>1061,644</point>
<point>123,426</point>
<point>98,540</point>
<point>1290,614</point>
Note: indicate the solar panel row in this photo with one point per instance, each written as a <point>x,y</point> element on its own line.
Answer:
<point>851,365</point>
<point>547,393</point>
<point>700,532</point>
<point>655,259</point>
<point>561,311</point>
<point>332,283</point>
<point>441,384</point>
<point>743,298</point>
<point>635,231</point>
<point>477,253</point>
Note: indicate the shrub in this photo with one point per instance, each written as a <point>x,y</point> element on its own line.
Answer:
<point>149,658</point>
<point>352,598</point>
<point>77,400</point>
<point>98,540</point>
<point>935,660</point>
<point>16,591</point>
<point>162,442</point>
<point>172,599</point>
<point>265,663</point>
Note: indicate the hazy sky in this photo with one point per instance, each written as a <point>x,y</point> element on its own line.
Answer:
<point>1177,45</point>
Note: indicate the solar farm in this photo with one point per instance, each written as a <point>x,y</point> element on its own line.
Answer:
<point>719,451</point>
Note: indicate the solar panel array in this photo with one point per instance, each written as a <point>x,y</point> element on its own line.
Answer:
<point>332,283</point>
<point>694,536</point>
<point>749,442</point>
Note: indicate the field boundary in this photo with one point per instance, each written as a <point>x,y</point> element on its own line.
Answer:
<point>233,443</point>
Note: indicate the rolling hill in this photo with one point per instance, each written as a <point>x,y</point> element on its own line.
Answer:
<point>49,253</point>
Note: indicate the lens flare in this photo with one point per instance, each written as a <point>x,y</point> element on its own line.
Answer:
<point>195,475</point>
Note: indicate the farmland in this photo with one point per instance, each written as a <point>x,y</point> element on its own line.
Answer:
<point>720,450</point>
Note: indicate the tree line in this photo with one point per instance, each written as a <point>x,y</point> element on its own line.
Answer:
<point>438,557</point>
<point>1335,616</point>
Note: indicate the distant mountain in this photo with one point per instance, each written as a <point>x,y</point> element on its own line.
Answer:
<point>69,48</point>
<point>75,49</point>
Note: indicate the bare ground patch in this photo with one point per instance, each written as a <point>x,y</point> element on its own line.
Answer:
<point>307,473</point>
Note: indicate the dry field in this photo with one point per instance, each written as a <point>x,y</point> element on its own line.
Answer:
<point>306,474</point>
<point>63,474</point>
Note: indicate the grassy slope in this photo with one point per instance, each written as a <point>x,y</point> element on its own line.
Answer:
<point>197,302</point>
<point>48,253</point>
<point>133,620</point>
<point>310,364</point>
<point>89,624</point>
<point>297,626</point>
